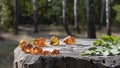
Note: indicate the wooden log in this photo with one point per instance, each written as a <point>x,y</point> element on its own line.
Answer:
<point>69,58</point>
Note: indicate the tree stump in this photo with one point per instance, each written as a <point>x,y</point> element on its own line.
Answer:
<point>69,58</point>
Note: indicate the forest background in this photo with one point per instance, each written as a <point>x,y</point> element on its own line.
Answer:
<point>28,19</point>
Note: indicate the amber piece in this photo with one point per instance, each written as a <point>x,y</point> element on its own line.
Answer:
<point>46,53</point>
<point>70,40</point>
<point>54,41</point>
<point>36,50</point>
<point>26,48</point>
<point>40,42</point>
<point>23,42</point>
<point>55,52</point>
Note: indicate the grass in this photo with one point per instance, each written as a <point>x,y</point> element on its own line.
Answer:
<point>6,56</point>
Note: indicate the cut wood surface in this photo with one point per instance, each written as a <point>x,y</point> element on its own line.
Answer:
<point>69,57</point>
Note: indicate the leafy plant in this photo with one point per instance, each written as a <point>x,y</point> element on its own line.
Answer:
<point>107,45</point>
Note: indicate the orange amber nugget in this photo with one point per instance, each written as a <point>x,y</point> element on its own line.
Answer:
<point>23,42</point>
<point>46,53</point>
<point>54,41</point>
<point>27,48</point>
<point>36,50</point>
<point>55,52</point>
<point>40,42</point>
<point>70,40</point>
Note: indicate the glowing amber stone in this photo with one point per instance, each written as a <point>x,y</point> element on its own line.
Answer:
<point>46,53</point>
<point>54,41</point>
<point>55,52</point>
<point>23,42</point>
<point>40,42</point>
<point>36,51</point>
<point>70,40</point>
<point>26,48</point>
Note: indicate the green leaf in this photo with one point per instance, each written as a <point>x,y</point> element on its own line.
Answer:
<point>118,48</point>
<point>114,51</point>
<point>97,42</point>
<point>103,43</point>
<point>108,45</point>
<point>92,48</point>
<point>99,49</point>
<point>113,47</point>
<point>107,38</point>
<point>83,54</point>
<point>88,52</point>
<point>105,53</point>
<point>115,39</point>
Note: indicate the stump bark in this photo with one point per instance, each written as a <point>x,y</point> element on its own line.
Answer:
<point>69,58</point>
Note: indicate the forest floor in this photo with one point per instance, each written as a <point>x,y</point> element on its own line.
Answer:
<point>9,41</point>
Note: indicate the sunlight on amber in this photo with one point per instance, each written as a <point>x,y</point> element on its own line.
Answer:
<point>36,50</point>
<point>69,40</point>
<point>40,42</point>
<point>46,53</point>
<point>54,41</point>
<point>55,52</point>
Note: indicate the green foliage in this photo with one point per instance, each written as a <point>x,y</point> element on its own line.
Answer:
<point>99,42</point>
<point>115,12</point>
<point>107,45</point>
<point>116,8</point>
<point>6,14</point>
<point>47,11</point>
<point>26,7</point>
<point>110,39</point>
<point>82,13</point>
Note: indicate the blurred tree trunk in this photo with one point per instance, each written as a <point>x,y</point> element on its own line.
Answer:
<point>108,22</point>
<point>64,18</point>
<point>35,16</point>
<point>16,16</point>
<point>1,3</point>
<point>53,16</point>
<point>101,13</point>
<point>1,38</point>
<point>75,16</point>
<point>91,19</point>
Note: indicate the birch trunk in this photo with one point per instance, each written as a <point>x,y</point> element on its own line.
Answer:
<point>75,16</point>
<point>64,18</point>
<point>102,14</point>
<point>108,23</point>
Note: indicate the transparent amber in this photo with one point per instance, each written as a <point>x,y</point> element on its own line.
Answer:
<point>55,52</point>
<point>26,48</point>
<point>54,41</point>
<point>40,42</point>
<point>23,42</point>
<point>36,50</point>
<point>70,40</point>
<point>46,53</point>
